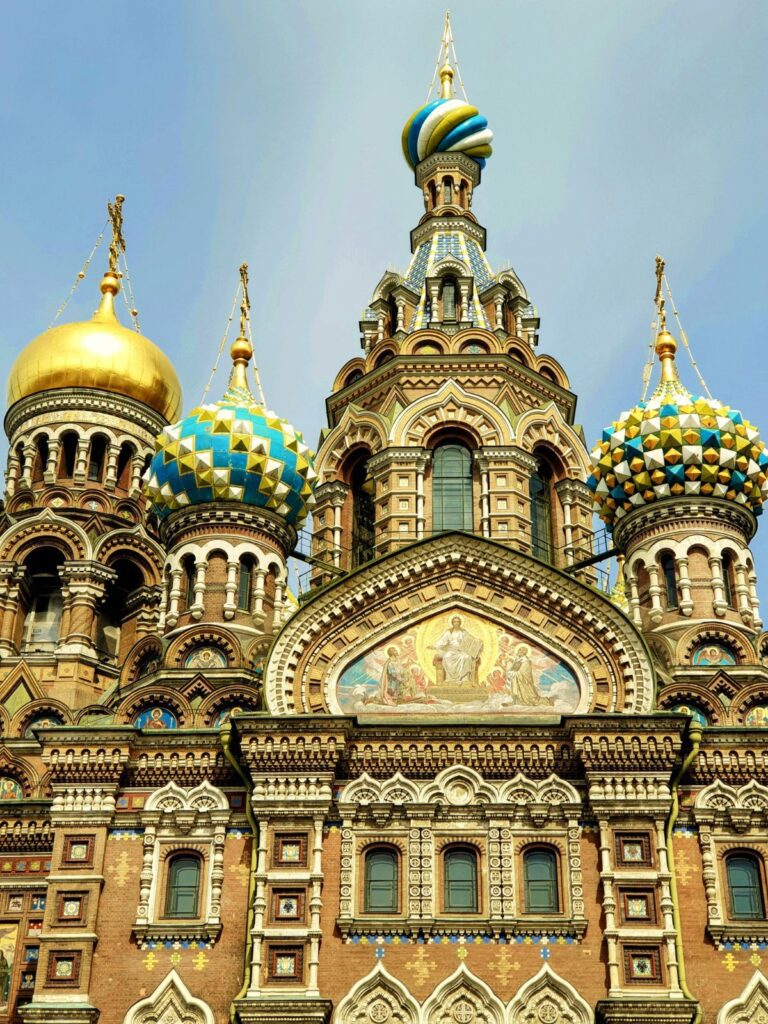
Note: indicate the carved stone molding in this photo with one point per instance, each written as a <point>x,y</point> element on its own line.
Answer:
<point>171,1001</point>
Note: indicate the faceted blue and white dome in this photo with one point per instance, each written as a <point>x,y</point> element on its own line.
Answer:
<point>233,450</point>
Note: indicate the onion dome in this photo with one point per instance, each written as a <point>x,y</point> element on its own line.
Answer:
<point>677,444</point>
<point>233,450</point>
<point>447,125</point>
<point>101,354</point>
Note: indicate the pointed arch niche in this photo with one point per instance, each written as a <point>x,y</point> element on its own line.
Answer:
<point>378,998</point>
<point>171,1001</point>
<point>751,1006</point>
<point>549,998</point>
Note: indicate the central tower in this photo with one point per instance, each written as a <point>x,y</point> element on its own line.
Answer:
<point>450,419</point>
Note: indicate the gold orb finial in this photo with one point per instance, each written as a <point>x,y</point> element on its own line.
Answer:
<point>446,81</point>
<point>242,350</point>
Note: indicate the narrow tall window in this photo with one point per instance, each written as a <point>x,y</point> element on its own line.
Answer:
<point>460,881</point>
<point>540,490</point>
<point>451,488</point>
<point>42,623</point>
<point>363,515</point>
<point>245,585</point>
<point>381,882</point>
<point>183,892</point>
<point>124,466</point>
<point>68,455</point>
<point>447,191</point>
<point>670,580</point>
<point>189,581</point>
<point>540,872</point>
<point>744,887</point>
<point>728,587</point>
<point>449,299</point>
<point>41,458</point>
<point>96,460</point>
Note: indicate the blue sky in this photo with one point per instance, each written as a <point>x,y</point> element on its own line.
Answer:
<point>269,132</point>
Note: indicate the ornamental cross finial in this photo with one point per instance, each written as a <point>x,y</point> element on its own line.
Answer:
<point>245,303</point>
<point>117,245</point>
<point>659,298</point>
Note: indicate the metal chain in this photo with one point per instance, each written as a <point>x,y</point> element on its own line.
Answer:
<point>222,343</point>
<point>80,276</point>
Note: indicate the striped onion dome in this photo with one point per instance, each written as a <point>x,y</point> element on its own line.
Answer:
<point>447,125</point>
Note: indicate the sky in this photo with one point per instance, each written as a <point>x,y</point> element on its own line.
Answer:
<point>269,131</point>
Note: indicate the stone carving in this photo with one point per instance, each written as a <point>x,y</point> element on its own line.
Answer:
<point>170,1003</point>
<point>751,1007</point>
<point>378,999</point>
<point>463,999</point>
<point>549,999</point>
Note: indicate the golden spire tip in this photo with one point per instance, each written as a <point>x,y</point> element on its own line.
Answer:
<point>666,345</point>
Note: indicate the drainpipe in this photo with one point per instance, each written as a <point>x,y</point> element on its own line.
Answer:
<point>227,744</point>
<point>694,735</point>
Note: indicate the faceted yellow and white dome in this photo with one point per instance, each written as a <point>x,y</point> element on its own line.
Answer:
<point>677,444</point>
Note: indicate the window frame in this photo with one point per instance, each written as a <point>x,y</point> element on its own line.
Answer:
<point>454,489</point>
<point>452,854</point>
<point>668,567</point>
<point>553,856</point>
<point>369,854</point>
<point>170,866</point>
<point>758,864</point>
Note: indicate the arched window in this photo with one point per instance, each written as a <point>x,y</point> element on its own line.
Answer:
<point>96,457</point>
<point>451,488</point>
<point>363,514</point>
<point>68,455</point>
<point>114,608</point>
<point>540,874</point>
<point>41,458</point>
<point>447,191</point>
<point>183,891</point>
<point>744,887</point>
<point>460,881</point>
<point>381,882</point>
<point>43,619</point>
<point>124,466</point>
<point>728,579</point>
<point>540,490</point>
<point>188,566</point>
<point>449,299</point>
<point>670,580</point>
<point>245,585</point>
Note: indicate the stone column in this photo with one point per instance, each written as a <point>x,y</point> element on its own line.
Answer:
<point>136,469</point>
<point>198,605</point>
<point>12,473</point>
<point>30,453</point>
<point>718,590</point>
<point>230,587</point>
<point>110,474</point>
<point>49,474</point>
<point>81,460</point>
<point>654,590</point>
<point>85,584</point>
<point>742,593</point>
<point>174,598</point>
<point>400,314</point>
<point>684,580</point>
<point>258,597</point>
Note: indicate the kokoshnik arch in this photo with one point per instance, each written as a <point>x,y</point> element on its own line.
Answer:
<point>455,780</point>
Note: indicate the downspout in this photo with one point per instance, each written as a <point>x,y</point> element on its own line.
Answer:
<point>226,743</point>
<point>694,735</point>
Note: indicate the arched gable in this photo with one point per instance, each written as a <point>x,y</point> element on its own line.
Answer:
<point>751,1006</point>
<point>463,996</point>
<point>45,528</point>
<point>548,997</point>
<point>377,997</point>
<point>355,427</point>
<point>509,598</point>
<point>451,406</point>
<point>548,427</point>
<point>170,1001</point>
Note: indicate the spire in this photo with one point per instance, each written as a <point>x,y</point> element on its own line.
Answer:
<point>666,344</point>
<point>110,283</point>
<point>242,349</point>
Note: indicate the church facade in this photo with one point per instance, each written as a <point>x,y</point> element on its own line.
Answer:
<point>456,781</point>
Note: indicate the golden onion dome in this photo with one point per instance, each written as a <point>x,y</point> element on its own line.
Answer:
<point>99,353</point>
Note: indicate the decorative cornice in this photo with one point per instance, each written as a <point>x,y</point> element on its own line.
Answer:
<point>682,514</point>
<point>71,402</point>
<point>216,517</point>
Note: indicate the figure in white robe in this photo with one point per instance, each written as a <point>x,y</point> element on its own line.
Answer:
<point>458,651</point>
